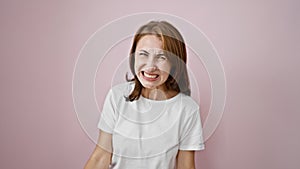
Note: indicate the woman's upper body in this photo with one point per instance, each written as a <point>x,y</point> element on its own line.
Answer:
<point>149,133</point>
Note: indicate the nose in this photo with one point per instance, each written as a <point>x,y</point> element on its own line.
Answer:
<point>151,64</point>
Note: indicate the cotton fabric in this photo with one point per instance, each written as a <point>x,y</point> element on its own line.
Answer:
<point>147,134</point>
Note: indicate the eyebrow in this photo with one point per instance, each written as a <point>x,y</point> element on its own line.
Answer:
<point>158,53</point>
<point>144,51</point>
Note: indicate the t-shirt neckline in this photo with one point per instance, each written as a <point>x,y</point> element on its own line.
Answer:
<point>161,101</point>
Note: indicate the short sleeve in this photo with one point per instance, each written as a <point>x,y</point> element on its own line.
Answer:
<point>108,117</point>
<point>191,136</point>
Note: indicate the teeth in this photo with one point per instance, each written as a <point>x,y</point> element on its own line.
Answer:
<point>150,76</point>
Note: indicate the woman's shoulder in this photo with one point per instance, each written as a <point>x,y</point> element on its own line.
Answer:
<point>189,103</point>
<point>122,89</point>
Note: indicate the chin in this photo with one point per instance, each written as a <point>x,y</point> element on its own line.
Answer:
<point>147,86</point>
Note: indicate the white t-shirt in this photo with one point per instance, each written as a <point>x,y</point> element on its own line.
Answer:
<point>147,134</point>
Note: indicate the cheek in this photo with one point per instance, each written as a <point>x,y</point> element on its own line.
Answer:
<point>136,66</point>
<point>136,63</point>
<point>166,68</point>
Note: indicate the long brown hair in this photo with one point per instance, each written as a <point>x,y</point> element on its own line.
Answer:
<point>174,45</point>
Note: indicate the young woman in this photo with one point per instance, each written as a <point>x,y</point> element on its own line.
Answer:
<point>151,122</point>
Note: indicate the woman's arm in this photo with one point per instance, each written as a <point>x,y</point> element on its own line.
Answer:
<point>101,156</point>
<point>185,160</point>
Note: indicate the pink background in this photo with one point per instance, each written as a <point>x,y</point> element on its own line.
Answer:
<point>256,41</point>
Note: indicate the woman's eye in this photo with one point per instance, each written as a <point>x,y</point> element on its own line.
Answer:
<point>143,54</point>
<point>161,57</point>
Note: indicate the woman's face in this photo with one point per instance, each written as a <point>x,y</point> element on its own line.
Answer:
<point>151,65</point>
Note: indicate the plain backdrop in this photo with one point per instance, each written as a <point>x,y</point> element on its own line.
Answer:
<point>258,44</point>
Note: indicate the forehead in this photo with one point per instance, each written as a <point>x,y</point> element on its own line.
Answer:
<point>149,42</point>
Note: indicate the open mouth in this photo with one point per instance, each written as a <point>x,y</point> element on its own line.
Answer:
<point>149,76</point>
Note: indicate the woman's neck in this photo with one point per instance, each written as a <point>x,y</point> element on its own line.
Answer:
<point>158,93</point>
